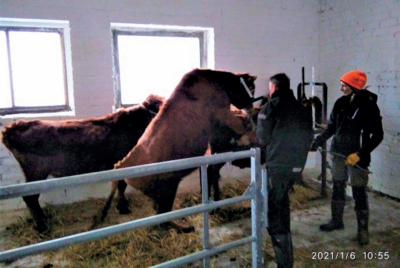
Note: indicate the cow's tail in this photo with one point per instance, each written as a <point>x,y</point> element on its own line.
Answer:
<point>101,215</point>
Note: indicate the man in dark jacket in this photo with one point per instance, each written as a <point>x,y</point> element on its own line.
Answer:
<point>285,127</point>
<point>355,115</point>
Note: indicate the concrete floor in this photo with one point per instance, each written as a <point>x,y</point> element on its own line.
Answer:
<point>308,240</point>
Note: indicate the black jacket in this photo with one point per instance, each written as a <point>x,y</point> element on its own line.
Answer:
<point>351,120</point>
<point>285,127</point>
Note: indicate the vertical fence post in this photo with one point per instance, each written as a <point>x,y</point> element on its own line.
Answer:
<point>323,171</point>
<point>205,200</point>
<point>264,193</point>
<point>256,209</point>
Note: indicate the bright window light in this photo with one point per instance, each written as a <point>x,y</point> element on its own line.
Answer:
<point>154,64</point>
<point>37,67</point>
<point>5,91</point>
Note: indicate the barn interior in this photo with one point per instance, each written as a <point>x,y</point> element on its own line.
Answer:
<point>327,38</point>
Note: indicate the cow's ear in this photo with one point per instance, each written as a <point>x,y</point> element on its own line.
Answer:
<point>248,77</point>
<point>146,104</point>
<point>153,102</point>
<point>244,75</point>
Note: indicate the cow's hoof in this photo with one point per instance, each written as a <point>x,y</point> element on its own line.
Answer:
<point>41,228</point>
<point>123,207</point>
<point>182,227</point>
<point>186,230</point>
<point>124,210</point>
<point>98,219</point>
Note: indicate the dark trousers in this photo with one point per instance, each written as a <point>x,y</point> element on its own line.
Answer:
<point>280,181</point>
<point>359,194</point>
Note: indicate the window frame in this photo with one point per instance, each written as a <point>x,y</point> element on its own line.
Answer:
<point>60,27</point>
<point>205,36</point>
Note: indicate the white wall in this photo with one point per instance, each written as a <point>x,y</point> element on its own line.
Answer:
<point>366,35</point>
<point>260,37</point>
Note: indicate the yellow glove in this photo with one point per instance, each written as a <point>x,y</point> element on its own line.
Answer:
<point>352,159</point>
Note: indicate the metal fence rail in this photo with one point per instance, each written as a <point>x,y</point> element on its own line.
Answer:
<point>253,194</point>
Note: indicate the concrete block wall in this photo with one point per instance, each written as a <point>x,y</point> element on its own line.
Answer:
<point>365,35</point>
<point>10,173</point>
<point>259,37</point>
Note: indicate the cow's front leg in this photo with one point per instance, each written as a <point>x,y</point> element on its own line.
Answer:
<point>213,179</point>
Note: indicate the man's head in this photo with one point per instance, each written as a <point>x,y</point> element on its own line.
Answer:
<point>278,82</point>
<point>353,81</point>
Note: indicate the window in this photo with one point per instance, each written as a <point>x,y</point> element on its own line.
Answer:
<point>151,59</point>
<point>35,66</point>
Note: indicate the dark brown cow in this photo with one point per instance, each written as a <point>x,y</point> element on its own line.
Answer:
<point>225,139</point>
<point>71,147</point>
<point>183,128</point>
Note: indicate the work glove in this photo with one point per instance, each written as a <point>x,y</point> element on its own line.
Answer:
<point>352,159</point>
<point>314,146</point>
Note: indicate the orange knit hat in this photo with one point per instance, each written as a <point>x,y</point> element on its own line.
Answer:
<point>355,78</point>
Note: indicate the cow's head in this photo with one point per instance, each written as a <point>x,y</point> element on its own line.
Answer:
<point>239,87</point>
<point>241,90</point>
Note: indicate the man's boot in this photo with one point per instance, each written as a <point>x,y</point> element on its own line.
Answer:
<point>283,250</point>
<point>336,223</point>
<point>362,230</point>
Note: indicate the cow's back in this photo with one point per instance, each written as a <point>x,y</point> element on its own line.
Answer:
<point>62,148</point>
<point>121,137</point>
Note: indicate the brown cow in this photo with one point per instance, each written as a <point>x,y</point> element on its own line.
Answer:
<point>71,147</point>
<point>183,128</point>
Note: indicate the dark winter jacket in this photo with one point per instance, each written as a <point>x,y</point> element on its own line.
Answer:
<point>351,120</point>
<point>285,127</point>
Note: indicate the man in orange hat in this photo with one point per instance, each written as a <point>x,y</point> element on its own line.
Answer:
<point>355,115</point>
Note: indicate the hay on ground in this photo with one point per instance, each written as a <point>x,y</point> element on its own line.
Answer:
<point>146,246</point>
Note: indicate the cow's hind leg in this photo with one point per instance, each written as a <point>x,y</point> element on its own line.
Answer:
<point>123,203</point>
<point>33,172</point>
<point>39,218</point>
<point>100,216</point>
<point>163,193</point>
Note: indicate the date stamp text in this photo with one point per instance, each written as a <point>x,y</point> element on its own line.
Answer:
<point>349,255</point>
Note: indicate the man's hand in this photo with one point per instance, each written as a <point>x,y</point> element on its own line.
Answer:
<point>352,159</point>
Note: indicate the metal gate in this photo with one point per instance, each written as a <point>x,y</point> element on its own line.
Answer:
<point>254,193</point>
